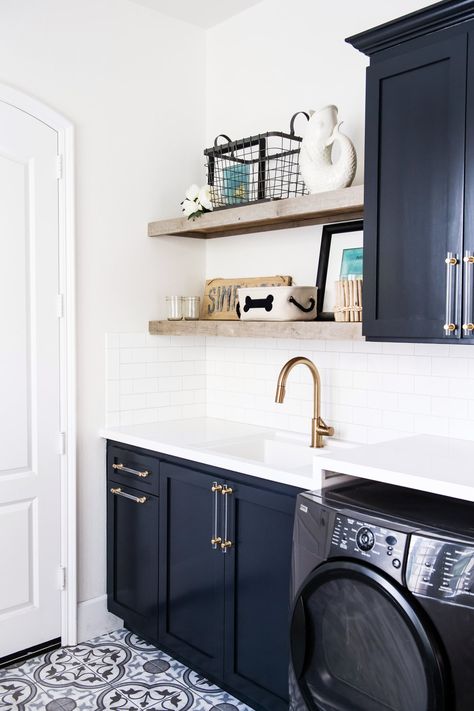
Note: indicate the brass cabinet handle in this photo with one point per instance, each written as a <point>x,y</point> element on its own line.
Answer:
<point>136,499</point>
<point>215,540</point>
<point>122,468</point>
<point>226,544</point>
<point>468,289</point>
<point>451,262</point>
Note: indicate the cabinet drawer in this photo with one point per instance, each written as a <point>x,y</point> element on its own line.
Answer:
<point>129,467</point>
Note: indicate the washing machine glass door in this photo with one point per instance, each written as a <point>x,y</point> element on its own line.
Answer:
<point>358,643</point>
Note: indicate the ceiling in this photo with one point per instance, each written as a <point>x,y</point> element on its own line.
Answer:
<point>206,13</point>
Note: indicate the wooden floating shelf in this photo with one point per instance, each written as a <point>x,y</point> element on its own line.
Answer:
<point>315,330</point>
<point>334,206</point>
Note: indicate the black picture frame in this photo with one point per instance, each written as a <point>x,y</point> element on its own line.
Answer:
<point>324,252</point>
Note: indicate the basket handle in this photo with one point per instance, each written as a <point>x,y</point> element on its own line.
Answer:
<point>305,309</point>
<point>292,122</point>
<point>229,140</point>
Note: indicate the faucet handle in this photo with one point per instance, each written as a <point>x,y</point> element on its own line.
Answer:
<point>324,429</point>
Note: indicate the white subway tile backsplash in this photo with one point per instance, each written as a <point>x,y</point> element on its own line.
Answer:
<point>458,368</point>
<point>133,370</point>
<point>112,364</point>
<point>170,383</point>
<point>370,391</point>
<point>133,340</point>
<point>414,365</point>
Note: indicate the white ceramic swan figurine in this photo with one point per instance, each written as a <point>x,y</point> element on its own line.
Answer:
<point>316,166</point>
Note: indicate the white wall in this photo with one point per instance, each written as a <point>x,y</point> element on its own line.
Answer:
<point>120,72</point>
<point>130,80</point>
<point>265,64</point>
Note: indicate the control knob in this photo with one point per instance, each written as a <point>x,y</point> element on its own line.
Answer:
<point>365,539</point>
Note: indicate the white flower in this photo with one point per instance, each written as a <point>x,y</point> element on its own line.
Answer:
<point>192,192</point>
<point>189,207</point>
<point>204,197</point>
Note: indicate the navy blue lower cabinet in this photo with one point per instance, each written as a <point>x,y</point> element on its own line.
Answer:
<point>191,573</point>
<point>132,557</point>
<point>225,557</point>
<point>257,574</point>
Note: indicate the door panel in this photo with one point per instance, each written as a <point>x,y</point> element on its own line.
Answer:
<point>29,382</point>
<point>414,190</point>
<point>257,569</point>
<point>132,558</point>
<point>468,266</point>
<point>17,527</point>
<point>191,570</point>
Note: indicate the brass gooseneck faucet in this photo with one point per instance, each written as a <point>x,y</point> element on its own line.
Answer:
<point>319,428</point>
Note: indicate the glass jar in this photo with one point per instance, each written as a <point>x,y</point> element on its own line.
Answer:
<point>174,306</point>
<point>191,308</point>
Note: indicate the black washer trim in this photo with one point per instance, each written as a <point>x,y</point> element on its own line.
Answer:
<point>439,688</point>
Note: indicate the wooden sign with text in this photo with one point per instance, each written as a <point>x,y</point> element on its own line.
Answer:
<point>221,297</point>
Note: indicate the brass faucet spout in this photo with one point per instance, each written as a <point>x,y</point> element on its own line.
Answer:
<point>319,428</point>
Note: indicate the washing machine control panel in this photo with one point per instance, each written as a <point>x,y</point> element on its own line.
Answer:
<point>383,547</point>
<point>442,570</point>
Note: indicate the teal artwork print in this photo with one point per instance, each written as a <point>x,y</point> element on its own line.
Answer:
<point>236,184</point>
<point>352,262</point>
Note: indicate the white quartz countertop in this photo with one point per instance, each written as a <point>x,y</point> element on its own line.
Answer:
<point>269,454</point>
<point>439,465</point>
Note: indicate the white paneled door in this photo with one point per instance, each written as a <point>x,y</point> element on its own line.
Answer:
<point>30,521</point>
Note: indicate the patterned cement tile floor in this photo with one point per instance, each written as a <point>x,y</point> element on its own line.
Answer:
<point>115,671</point>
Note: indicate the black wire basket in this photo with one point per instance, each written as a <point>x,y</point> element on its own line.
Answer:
<point>257,168</point>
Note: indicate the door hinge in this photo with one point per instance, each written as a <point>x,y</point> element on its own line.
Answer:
<point>59,166</point>
<point>62,443</point>
<point>60,305</point>
<point>62,578</point>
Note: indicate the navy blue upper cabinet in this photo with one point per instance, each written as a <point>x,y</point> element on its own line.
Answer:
<point>419,216</point>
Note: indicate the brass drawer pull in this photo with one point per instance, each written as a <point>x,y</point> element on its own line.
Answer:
<point>136,499</point>
<point>215,540</point>
<point>450,326</point>
<point>226,544</point>
<point>468,294</point>
<point>122,468</point>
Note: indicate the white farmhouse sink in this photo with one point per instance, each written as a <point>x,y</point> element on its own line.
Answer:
<point>283,452</point>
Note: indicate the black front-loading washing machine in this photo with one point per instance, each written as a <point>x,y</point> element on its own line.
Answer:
<point>383,601</point>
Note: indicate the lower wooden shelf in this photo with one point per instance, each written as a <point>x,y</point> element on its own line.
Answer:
<point>315,330</point>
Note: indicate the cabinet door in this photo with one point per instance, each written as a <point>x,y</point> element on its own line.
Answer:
<point>132,558</point>
<point>468,252</point>
<point>192,570</point>
<point>415,136</point>
<point>257,569</point>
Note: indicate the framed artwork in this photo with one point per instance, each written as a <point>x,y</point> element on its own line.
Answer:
<point>340,257</point>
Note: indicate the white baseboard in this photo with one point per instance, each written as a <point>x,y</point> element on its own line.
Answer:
<point>93,619</point>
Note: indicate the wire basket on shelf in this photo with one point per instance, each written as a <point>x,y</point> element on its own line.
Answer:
<point>261,167</point>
